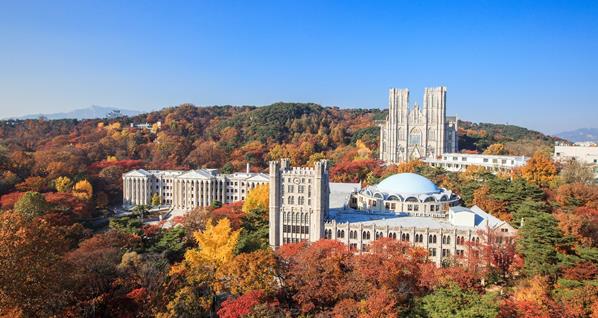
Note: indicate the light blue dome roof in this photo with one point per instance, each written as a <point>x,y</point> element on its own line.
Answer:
<point>409,183</point>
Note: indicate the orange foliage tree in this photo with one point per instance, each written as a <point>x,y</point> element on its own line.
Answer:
<point>539,169</point>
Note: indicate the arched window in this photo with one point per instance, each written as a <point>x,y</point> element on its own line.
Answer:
<point>342,233</point>
<point>415,137</point>
<point>407,237</point>
<point>429,199</point>
<point>411,199</point>
<point>394,236</point>
<point>393,198</point>
<point>432,239</point>
<point>431,134</point>
<point>368,235</point>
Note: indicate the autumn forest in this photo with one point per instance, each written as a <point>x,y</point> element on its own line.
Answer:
<point>64,254</point>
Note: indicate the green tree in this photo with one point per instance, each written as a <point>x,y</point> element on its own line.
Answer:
<point>32,204</point>
<point>453,302</point>
<point>140,210</point>
<point>539,236</point>
<point>254,232</point>
<point>528,209</point>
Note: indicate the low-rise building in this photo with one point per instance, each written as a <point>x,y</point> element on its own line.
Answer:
<point>185,190</point>
<point>586,153</point>
<point>456,162</point>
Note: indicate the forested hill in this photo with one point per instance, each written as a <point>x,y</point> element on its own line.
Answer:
<point>517,140</point>
<point>223,137</point>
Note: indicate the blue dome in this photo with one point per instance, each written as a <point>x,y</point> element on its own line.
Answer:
<point>409,183</point>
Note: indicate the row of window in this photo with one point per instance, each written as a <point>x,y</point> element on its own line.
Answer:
<point>419,238</point>
<point>298,229</point>
<point>293,217</point>
<point>300,200</point>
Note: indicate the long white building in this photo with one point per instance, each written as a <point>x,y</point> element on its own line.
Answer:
<point>457,162</point>
<point>186,190</point>
<point>586,153</point>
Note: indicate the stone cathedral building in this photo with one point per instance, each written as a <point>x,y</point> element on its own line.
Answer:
<point>415,133</point>
<point>305,206</point>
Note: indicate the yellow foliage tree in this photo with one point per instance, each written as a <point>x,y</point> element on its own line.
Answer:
<point>110,158</point>
<point>114,126</point>
<point>495,149</point>
<point>216,245</point>
<point>315,158</point>
<point>472,173</point>
<point>363,152</point>
<point>83,190</point>
<point>63,184</point>
<point>409,166</point>
<point>257,198</point>
<point>249,271</point>
<point>539,169</point>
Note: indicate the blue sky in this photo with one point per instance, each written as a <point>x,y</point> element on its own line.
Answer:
<point>531,63</point>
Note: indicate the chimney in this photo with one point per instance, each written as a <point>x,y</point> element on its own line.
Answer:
<point>248,167</point>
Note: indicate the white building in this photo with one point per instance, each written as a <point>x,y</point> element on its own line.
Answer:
<point>406,207</point>
<point>186,190</point>
<point>409,134</point>
<point>457,162</point>
<point>587,154</point>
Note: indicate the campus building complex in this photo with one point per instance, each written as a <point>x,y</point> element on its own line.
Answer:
<point>185,190</point>
<point>409,134</point>
<point>304,206</point>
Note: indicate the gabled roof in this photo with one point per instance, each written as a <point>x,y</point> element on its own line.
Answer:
<point>260,177</point>
<point>196,174</point>
<point>138,173</point>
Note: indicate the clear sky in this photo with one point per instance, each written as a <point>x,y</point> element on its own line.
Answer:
<point>531,63</point>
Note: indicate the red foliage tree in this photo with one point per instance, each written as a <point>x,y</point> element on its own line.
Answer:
<point>317,276</point>
<point>232,211</point>
<point>245,304</point>
<point>7,201</point>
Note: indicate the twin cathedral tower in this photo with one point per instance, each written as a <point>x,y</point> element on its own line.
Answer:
<point>409,134</point>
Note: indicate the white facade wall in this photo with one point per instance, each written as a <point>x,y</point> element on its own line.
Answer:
<point>456,162</point>
<point>584,154</point>
<point>187,189</point>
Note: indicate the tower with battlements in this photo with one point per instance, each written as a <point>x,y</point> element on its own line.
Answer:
<point>298,202</point>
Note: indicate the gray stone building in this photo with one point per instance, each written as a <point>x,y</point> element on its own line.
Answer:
<point>298,202</point>
<point>409,134</point>
<point>406,207</point>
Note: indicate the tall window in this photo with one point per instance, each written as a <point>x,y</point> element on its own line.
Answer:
<point>415,137</point>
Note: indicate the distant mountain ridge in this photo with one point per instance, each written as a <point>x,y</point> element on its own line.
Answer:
<point>580,135</point>
<point>91,112</point>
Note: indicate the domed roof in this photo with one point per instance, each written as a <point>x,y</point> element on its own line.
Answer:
<point>409,183</point>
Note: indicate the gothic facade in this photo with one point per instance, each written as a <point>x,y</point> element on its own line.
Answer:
<point>409,134</point>
<point>298,202</point>
<point>407,207</point>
